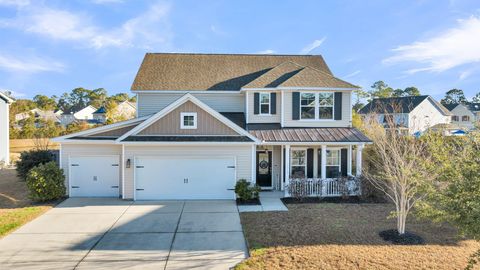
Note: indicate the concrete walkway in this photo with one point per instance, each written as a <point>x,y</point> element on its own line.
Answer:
<point>269,200</point>
<point>115,234</point>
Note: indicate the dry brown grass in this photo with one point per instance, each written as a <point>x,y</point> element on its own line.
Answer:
<point>345,236</point>
<point>20,145</point>
<point>15,207</point>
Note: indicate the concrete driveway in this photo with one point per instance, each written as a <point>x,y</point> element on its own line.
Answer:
<point>83,233</point>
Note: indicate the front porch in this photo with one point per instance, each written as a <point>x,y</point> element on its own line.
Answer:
<point>309,170</point>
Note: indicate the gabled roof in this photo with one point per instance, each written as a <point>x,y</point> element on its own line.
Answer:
<point>185,98</point>
<point>101,110</point>
<point>312,77</point>
<point>6,98</point>
<point>451,106</point>
<point>400,105</point>
<point>275,76</point>
<point>202,72</point>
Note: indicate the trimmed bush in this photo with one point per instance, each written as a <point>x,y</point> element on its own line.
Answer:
<point>46,182</point>
<point>30,159</point>
<point>246,192</point>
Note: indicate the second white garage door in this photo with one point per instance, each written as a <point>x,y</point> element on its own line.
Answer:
<point>167,178</point>
<point>94,176</point>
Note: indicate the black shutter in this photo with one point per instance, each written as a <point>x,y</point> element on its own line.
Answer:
<point>319,163</point>
<point>256,102</point>
<point>338,106</point>
<point>273,103</point>
<point>343,161</point>
<point>309,162</point>
<point>295,105</point>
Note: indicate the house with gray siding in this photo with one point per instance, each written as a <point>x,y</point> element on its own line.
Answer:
<point>5,102</point>
<point>466,116</point>
<point>204,121</point>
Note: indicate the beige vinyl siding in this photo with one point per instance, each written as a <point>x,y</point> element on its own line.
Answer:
<point>242,154</point>
<point>68,150</point>
<point>150,103</point>
<point>262,118</point>
<point>170,124</point>
<point>346,113</point>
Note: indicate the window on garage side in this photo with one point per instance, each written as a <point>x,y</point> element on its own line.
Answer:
<point>188,120</point>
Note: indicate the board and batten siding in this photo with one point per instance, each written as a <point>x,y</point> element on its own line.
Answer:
<point>150,103</point>
<point>242,154</point>
<point>346,113</point>
<point>170,124</point>
<point>68,150</point>
<point>263,118</point>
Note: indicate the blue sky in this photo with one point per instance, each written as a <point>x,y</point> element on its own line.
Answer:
<point>50,47</point>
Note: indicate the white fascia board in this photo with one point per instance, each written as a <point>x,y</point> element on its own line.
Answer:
<point>185,91</point>
<point>101,129</point>
<point>187,143</point>
<point>109,142</point>
<point>180,101</point>
<point>9,99</point>
<point>300,89</point>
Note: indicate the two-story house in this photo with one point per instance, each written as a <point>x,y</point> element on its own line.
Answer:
<point>465,115</point>
<point>409,115</point>
<point>205,121</point>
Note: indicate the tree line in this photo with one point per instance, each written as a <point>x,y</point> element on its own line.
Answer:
<point>72,101</point>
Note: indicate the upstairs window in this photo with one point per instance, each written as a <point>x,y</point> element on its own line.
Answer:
<point>465,118</point>
<point>188,120</point>
<point>307,106</point>
<point>455,118</point>
<point>264,103</point>
<point>316,106</point>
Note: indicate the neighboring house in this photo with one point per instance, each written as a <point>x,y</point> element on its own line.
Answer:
<point>464,115</point>
<point>38,114</point>
<point>205,121</point>
<point>124,110</point>
<point>69,116</point>
<point>411,115</point>
<point>5,102</point>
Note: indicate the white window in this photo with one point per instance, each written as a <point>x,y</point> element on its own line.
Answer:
<point>188,120</point>
<point>317,106</point>
<point>333,163</point>
<point>264,103</point>
<point>307,106</point>
<point>298,163</point>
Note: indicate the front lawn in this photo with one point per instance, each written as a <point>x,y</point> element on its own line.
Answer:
<point>15,207</point>
<point>345,236</point>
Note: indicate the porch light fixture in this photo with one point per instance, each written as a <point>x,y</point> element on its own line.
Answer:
<point>128,164</point>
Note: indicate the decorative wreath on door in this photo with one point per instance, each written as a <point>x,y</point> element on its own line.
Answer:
<point>263,164</point>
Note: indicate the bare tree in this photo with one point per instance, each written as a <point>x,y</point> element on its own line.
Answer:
<point>397,164</point>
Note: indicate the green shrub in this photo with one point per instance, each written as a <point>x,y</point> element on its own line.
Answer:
<point>245,191</point>
<point>30,159</point>
<point>46,182</point>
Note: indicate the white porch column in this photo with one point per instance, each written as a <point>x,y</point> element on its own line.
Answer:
<point>315,162</point>
<point>282,162</point>
<point>324,162</point>
<point>349,160</point>
<point>358,160</point>
<point>287,163</point>
<point>254,165</point>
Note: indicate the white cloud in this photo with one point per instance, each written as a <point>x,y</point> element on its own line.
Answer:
<point>352,74</point>
<point>464,74</point>
<point>268,51</point>
<point>145,30</point>
<point>312,46</point>
<point>452,48</point>
<point>30,64</point>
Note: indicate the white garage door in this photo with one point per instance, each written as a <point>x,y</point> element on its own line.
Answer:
<point>94,176</point>
<point>160,178</point>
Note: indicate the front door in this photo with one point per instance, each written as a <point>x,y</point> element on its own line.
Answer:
<point>264,169</point>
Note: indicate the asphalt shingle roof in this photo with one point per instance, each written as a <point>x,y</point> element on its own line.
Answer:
<point>399,105</point>
<point>202,72</point>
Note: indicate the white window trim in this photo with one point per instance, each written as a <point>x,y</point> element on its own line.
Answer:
<point>339,158</point>
<point>260,103</point>
<point>182,123</point>
<point>317,107</point>
<point>291,158</point>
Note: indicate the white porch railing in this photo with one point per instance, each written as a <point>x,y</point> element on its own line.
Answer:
<point>316,187</point>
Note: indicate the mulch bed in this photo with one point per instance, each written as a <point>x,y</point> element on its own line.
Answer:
<point>408,238</point>
<point>351,199</point>
<point>249,202</point>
